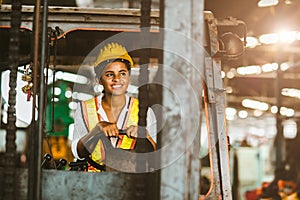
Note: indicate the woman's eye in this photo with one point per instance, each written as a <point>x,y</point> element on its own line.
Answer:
<point>109,75</point>
<point>123,74</point>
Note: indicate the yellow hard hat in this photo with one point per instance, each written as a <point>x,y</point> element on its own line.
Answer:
<point>113,51</point>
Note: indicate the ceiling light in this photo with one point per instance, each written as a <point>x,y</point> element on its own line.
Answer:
<point>285,66</point>
<point>289,112</point>
<point>254,69</point>
<point>230,113</point>
<point>229,89</point>
<point>287,36</point>
<point>75,78</point>
<point>298,36</point>
<point>270,38</point>
<point>68,94</point>
<point>57,91</point>
<point>291,92</point>
<point>252,42</point>
<point>257,113</point>
<point>243,114</point>
<point>249,103</point>
<point>266,3</point>
<point>274,109</point>
<point>230,74</point>
<point>269,67</point>
<point>283,37</point>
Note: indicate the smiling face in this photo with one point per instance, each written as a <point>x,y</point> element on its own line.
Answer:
<point>115,79</point>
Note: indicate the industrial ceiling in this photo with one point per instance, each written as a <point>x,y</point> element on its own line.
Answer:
<point>263,87</point>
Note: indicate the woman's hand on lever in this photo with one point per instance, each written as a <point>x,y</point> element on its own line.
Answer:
<point>132,131</point>
<point>109,129</point>
<point>87,143</point>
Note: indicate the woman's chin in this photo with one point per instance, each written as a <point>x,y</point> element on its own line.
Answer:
<point>118,93</point>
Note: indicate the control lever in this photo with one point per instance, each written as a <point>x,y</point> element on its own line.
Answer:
<point>47,158</point>
<point>79,165</point>
<point>62,162</point>
<point>122,132</point>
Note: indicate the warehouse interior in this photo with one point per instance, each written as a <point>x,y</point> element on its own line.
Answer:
<point>249,47</point>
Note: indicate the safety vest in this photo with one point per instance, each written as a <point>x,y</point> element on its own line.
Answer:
<point>92,117</point>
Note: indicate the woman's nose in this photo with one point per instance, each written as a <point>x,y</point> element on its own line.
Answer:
<point>116,77</point>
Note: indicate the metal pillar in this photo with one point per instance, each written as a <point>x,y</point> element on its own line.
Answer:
<point>214,100</point>
<point>141,161</point>
<point>218,143</point>
<point>183,58</point>
<point>279,138</point>
<point>39,60</point>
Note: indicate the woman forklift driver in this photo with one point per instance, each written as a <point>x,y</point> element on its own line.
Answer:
<point>112,113</point>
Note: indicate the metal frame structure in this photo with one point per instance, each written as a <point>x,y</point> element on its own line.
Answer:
<point>72,19</point>
<point>214,100</point>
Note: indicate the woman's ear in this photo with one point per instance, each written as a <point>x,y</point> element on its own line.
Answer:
<point>98,80</point>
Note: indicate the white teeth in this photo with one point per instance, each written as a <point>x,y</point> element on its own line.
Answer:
<point>116,86</point>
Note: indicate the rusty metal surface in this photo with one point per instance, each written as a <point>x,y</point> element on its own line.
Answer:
<point>74,185</point>
<point>72,18</point>
<point>82,185</point>
<point>84,27</point>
